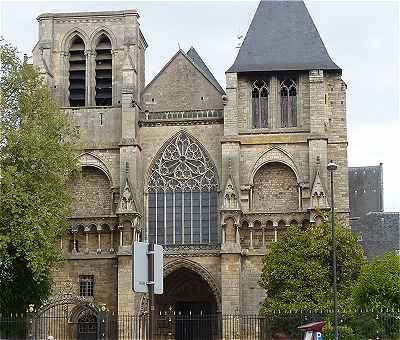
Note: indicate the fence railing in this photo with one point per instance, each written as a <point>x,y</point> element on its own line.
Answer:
<point>352,326</point>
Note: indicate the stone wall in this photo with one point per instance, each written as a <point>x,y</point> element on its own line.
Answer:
<point>105,280</point>
<point>181,86</point>
<point>91,193</point>
<point>275,189</point>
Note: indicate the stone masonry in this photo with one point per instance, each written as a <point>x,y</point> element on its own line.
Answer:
<point>263,177</point>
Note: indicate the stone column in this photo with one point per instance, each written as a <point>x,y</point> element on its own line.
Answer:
<point>275,225</point>
<point>121,236</point>
<point>89,77</point>
<point>62,87</point>
<point>223,233</point>
<point>114,55</point>
<point>230,273</point>
<point>64,90</point>
<point>112,239</point>
<point>87,230</point>
<point>74,231</point>
<point>251,226</point>
<point>99,229</point>
<point>237,234</point>
<point>263,235</point>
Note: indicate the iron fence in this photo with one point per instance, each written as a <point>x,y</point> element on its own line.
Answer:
<point>352,326</point>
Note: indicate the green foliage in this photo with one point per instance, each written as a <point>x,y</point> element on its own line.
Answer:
<point>35,164</point>
<point>378,286</point>
<point>297,272</point>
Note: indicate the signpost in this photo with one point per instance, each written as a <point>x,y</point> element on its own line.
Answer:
<point>147,274</point>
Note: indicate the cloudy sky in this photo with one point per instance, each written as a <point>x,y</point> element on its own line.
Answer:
<point>362,37</point>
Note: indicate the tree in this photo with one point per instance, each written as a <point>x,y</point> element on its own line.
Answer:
<point>378,286</point>
<point>297,273</point>
<point>36,161</point>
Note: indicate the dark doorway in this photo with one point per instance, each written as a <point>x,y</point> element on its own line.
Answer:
<point>194,321</point>
<point>189,306</point>
<point>87,327</point>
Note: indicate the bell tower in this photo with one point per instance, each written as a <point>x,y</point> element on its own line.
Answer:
<point>94,64</point>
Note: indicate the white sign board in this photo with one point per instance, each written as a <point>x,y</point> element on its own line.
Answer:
<point>140,263</point>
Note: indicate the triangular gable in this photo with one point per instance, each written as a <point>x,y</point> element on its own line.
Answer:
<point>198,68</point>
<point>196,59</point>
<point>318,194</point>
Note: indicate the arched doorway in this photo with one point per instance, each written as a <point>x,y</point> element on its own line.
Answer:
<point>87,327</point>
<point>190,301</point>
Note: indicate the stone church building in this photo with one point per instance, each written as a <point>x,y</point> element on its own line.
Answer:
<point>214,175</point>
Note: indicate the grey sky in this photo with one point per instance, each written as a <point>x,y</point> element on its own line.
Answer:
<point>361,37</point>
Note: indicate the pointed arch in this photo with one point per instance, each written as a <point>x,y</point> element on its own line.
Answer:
<point>275,155</point>
<point>174,265</point>
<point>91,160</point>
<point>66,41</point>
<point>102,44</point>
<point>182,193</point>
<point>94,37</point>
<point>182,145</point>
<point>77,70</point>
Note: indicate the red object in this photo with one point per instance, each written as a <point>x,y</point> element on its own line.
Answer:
<point>313,326</point>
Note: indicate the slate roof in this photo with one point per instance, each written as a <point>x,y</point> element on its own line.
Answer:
<point>282,36</point>
<point>196,59</point>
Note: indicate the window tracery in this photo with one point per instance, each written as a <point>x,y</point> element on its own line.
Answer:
<point>183,198</point>
<point>259,96</point>
<point>288,103</point>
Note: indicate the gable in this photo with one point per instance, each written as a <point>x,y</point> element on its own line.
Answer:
<point>181,86</point>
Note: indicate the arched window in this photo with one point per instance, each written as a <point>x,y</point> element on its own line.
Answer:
<point>259,96</point>
<point>288,103</point>
<point>103,72</point>
<point>182,195</point>
<point>77,72</point>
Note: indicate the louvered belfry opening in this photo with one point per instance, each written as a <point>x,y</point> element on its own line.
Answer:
<point>103,72</point>
<point>77,72</point>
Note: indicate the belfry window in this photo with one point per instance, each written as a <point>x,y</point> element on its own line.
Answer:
<point>182,195</point>
<point>259,96</point>
<point>288,103</point>
<point>103,72</point>
<point>77,72</point>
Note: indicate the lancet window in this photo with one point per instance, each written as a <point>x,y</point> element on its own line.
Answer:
<point>103,72</point>
<point>259,96</point>
<point>288,103</point>
<point>77,72</point>
<point>182,195</point>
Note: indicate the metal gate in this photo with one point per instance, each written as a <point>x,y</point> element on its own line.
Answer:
<point>67,318</point>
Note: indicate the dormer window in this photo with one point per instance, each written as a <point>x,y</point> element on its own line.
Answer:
<point>260,104</point>
<point>77,72</point>
<point>288,103</point>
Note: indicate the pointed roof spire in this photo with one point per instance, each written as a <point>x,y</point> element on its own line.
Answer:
<point>196,59</point>
<point>282,37</point>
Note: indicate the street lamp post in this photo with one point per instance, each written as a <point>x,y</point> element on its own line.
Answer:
<point>332,168</point>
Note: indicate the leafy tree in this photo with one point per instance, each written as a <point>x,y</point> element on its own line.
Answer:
<point>36,160</point>
<point>297,272</point>
<point>378,286</point>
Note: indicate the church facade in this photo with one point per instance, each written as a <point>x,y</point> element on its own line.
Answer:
<point>214,175</point>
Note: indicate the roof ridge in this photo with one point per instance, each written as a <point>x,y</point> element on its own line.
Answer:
<point>195,58</point>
